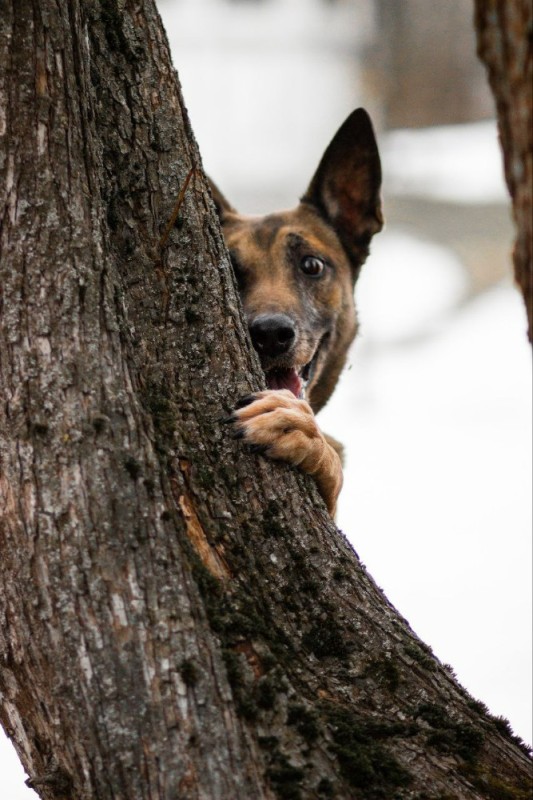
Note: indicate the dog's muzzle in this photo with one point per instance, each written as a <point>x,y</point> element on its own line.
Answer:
<point>273,337</point>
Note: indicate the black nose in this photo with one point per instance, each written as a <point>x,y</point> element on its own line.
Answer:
<point>272,334</point>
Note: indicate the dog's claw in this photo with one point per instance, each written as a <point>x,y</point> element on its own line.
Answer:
<point>227,420</point>
<point>245,401</point>
<point>258,448</point>
<point>237,434</point>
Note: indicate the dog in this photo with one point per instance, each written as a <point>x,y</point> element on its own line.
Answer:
<point>296,272</point>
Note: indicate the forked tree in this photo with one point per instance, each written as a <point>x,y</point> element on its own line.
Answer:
<point>179,618</point>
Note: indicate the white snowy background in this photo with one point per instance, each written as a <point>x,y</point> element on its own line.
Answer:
<point>435,406</point>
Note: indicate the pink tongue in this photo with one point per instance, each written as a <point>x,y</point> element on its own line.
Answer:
<point>285,379</point>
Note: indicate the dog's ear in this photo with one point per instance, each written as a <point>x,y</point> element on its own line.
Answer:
<point>221,204</point>
<point>346,186</point>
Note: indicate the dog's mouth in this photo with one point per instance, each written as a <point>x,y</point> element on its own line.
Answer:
<point>295,379</point>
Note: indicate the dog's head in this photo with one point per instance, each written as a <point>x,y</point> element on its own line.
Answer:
<point>296,270</point>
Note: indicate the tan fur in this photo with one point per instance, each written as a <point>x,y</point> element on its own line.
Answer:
<point>333,223</point>
<point>272,288</point>
<point>287,428</point>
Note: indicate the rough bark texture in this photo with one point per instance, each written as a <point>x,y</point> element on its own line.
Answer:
<point>505,35</point>
<point>178,618</point>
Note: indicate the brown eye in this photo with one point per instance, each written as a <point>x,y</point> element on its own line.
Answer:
<point>312,266</point>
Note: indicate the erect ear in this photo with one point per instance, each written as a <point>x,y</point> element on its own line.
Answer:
<point>345,188</point>
<point>221,204</point>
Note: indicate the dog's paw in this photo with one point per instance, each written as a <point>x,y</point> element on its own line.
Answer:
<point>283,427</point>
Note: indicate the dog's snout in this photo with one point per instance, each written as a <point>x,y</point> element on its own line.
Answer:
<point>272,334</point>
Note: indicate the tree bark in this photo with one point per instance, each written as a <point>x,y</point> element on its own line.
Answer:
<point>504,34</point>
<point>179,618</point>
<point>427,66</point>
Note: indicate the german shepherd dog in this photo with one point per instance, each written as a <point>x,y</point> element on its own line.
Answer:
<point>296,271</point>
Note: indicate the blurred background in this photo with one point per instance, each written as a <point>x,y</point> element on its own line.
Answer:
<point>435,406</point>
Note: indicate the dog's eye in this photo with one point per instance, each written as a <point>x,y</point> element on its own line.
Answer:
<point>312,266</point>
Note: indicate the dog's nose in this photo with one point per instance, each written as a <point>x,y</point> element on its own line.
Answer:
<point>272,334</point>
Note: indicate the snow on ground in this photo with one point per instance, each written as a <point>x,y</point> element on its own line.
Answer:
<point>12,775</point>
<point>459,163</point>
<point>436,419</point>
<point>437,493</point>
<point>435,411</point>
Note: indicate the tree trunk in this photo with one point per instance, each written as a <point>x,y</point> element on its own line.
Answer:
<point>427,66</point>
<point>179,618</point>
<point>504,35</point>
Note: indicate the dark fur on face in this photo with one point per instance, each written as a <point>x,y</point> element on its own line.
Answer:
<point>299,267</point>
<point>296,272</point>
